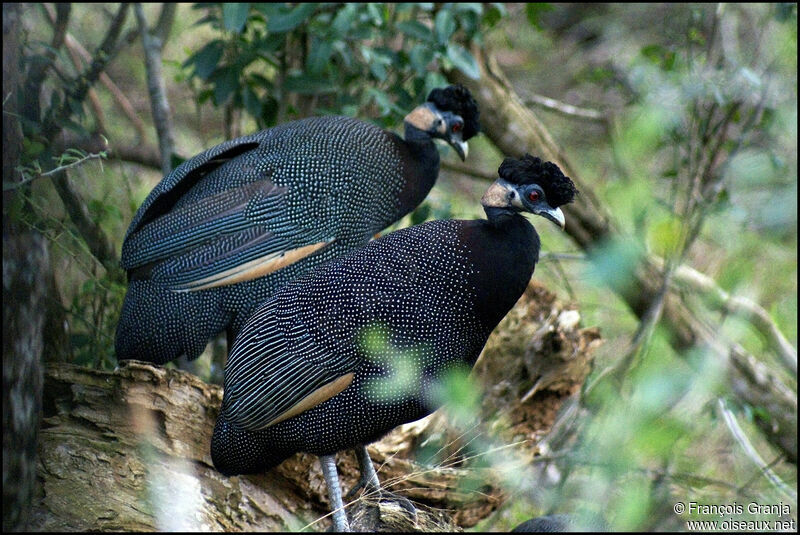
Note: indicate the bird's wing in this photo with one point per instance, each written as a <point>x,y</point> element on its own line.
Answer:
<point>279,371</point>
<point>199,242</point>
<point>173,186</point>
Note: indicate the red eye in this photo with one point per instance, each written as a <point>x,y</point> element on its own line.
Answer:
<point>533,196</point>
<point>456,127</point>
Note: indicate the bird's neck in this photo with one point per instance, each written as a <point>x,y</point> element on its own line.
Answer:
<point>420,167</point>
<point>505,251</point>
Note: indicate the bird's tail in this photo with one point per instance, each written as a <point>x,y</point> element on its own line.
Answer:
<point>159,325</point>
<point>236,451</point>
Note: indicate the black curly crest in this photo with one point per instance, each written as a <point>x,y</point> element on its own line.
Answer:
<point>458,99</point>
<point>557,187</point>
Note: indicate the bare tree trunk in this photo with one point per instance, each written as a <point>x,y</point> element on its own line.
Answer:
<point>25,264</point>
<point>129,449</point>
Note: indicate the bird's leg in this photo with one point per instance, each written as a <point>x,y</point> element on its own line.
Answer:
<point>369,480</point>
<point>334,492</point>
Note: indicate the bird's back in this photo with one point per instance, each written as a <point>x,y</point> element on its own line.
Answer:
<point>396,314</point>
<point>337,172</point>
<point>300,193</point>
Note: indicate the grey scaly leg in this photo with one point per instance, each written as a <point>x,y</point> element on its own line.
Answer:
<point>369,480</point>
<point>334,492</point>
<point>368,475</point>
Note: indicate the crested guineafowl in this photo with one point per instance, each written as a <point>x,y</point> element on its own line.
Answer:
<point>340,356</point>
<point>229,227</point>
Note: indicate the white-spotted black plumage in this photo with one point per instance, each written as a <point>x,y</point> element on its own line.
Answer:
<point>314,188</point>
<point>397,314</point>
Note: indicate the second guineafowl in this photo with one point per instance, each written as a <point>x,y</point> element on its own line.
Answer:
<point>227,228</point>
<point>339,357</point>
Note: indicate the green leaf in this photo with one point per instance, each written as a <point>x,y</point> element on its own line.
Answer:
<point>463,60</point>
<point>113,212</point>
<point>284,22</point>
<point>32,148</point>
<point>378,59</point>
<point>664,235</point>
<point>445,25</point>
<point>175,160</point>
<point>307,84</point>
<point>613,264</point>
<point>408,7</point>
<point>493,14</point>
<point>318,57</point>
<point>226,82</point>
<point>251,102</point>
<point>269,113</point>
<point>784,11</point>
<point>234,16</point>
<point>415,29</point>
<point>267,45</point>
<point>344,19</point>
<point>383,100</point>
<point>206,59</point>
<point>660,56</point>
<point>421,213</point>
<point>433,79</point>
<point>469,7</point>
<point>375,14</point>
<point>420,57</point>
<point>535,12</point>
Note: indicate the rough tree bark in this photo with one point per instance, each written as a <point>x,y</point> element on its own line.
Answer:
<point>25,268</point>
<point>129,449</point>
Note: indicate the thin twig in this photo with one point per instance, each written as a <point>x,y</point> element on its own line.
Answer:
<point>52,172</point>
<point>741,437</point>
<point>563,108</point>
<point>146,155</point>
<point>721,300</point>
<point>742,308</point>
<point>55,118</point>
<point>75,47</point>
<point>36,75</point>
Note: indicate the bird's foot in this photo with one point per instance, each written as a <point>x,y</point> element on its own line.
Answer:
<point>402,501</point>
<point>381,495</point>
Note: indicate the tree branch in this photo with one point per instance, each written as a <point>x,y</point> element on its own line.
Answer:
<point>741,437</point>
<point>97,241</point>
<point>60,168</point>
<point>141,154</point>
<point>163,26</point>
<point>55,118</point>
<point>76,49</point>
<point>38,70</point>
<point>153,45</point>
<point>744,308</point>
<point>754,384</point>
<point>513,127</point>
<point>563,108</point>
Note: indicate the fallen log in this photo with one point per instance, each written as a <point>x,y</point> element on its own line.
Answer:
<point>129,449</point>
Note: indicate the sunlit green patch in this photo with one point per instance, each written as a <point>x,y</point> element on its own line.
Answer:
<point>613,264</point>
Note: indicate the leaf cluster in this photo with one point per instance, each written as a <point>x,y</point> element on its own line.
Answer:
<point>270,59</point>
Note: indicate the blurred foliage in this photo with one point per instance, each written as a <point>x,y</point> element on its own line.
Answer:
<point>281,61</point>
<point>693,94</point>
